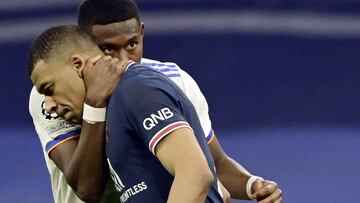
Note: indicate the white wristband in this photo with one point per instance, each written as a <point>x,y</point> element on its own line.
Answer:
<point>93,115</point>
<point>249,183</point>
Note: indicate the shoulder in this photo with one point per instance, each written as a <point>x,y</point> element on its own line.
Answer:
<point>140,76</point>
<point>173,71</point>
<point>158,64</point>
<point>142,84</point>
<point>169,69</point>
<point>35,102</point>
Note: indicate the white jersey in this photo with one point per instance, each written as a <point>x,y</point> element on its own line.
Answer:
<point>53,130</point>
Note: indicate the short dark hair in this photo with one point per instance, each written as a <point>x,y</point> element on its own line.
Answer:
<point>62,38</point>
<point>101,12</point>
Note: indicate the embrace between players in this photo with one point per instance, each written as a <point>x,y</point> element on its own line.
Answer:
<point>117,127</point>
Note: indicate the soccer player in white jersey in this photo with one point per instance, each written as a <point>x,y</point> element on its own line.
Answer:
<point>117,28</point>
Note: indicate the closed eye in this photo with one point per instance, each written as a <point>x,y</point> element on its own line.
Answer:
<point>49,90</point>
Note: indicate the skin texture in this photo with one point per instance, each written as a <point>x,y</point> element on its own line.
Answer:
<point>69,106</point>
<point>192,163</point>
<point>121,39</point>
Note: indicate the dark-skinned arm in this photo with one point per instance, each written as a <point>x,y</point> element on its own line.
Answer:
<point>231,174</point>
<point>234,177</point>
<point>82,160</point>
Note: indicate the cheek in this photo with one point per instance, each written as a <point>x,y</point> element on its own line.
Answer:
<point>137,54</point>
<point>79,91</point>
<point>76,91</point>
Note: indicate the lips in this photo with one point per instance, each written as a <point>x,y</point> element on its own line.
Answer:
<point>64,113</point>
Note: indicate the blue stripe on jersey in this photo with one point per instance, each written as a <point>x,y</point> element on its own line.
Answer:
<point>210,135</point>
<point>60,138</point>
<point>170,70</point>
<point>173,75</point>
<point>160,65</point>
<point>165,69</point>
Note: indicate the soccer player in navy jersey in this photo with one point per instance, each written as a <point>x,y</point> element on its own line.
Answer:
<point>119,32</point>
<point>117,28</point>
<point>156,148</point>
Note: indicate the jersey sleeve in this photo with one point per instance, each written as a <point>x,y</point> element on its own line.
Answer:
<point>197,98</point>
<point>191,89</point>
<point>154,112</point>
<point>51,129</point>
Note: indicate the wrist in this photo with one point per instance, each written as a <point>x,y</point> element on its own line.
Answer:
<point>249,184</point>
<point>93,115</point>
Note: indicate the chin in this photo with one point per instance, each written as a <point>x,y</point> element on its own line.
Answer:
<point>73,120</point>
<point>76,120</point>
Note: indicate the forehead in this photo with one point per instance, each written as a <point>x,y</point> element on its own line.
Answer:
<point>115,31</point>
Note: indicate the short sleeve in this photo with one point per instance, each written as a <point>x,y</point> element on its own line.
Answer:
<point>191,89</point>
<point>193,92</point>
<point>154,111</point>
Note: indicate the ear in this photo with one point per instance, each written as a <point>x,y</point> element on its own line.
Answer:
<point>142,29</point>
<point>78,63</point>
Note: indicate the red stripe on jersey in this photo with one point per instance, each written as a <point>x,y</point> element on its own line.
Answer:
<point>163,132</point>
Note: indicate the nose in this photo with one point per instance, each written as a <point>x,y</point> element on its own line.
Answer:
<point>50,105</point>
<point>122,55</point>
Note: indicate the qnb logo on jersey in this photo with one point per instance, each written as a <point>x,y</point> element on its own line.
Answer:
<point>153,120</point>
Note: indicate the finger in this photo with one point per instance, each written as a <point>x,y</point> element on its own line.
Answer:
<point>279,200</point>
<point>89,63</point>
<point>265,191</point>
<point>113,66</point>
<point>104,59</point>
<point>94,59</point>
<point>107,58</point>
<point>121,67</point>
<point>257,185</point>
<point>114,60</point>
<point>272,197</point>
<point>267,200</point>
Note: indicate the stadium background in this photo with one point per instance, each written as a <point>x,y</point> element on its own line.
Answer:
<point>281,79</point>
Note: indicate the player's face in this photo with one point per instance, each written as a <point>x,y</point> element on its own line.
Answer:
<point>63,86</point>
<point>122,40</point>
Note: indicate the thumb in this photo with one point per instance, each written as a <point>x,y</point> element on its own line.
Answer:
<point>89,63</point>
<point>256,186</point>
<point>122,67</point>
<point>94,59</point>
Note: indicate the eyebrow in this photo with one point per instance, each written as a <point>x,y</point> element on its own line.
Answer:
<point>113,44</point>
<point>135,36</point>
<point>131,39</point>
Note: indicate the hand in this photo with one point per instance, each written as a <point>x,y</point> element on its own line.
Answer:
<point>101,76</point>
<point>225,193</point>
<point>265,191</point>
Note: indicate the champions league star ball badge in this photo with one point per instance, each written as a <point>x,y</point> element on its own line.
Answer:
<point>48,116</point>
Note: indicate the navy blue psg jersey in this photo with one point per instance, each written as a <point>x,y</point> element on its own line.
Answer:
<point>146,107</point>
